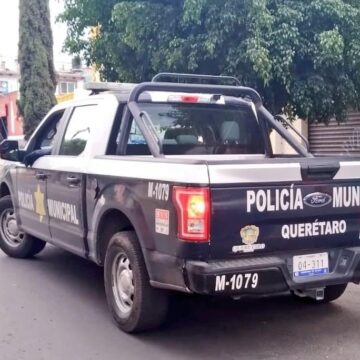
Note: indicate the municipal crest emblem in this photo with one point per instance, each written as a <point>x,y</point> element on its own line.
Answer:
<point>249,234</point>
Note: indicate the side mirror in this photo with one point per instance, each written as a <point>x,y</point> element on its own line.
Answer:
<point>8,145</point>
<point>9,150</point>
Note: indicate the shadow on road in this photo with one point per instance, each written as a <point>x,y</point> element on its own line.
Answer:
<point>218,328</point>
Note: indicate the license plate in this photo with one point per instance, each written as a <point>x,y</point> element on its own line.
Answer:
<point>311,265</point>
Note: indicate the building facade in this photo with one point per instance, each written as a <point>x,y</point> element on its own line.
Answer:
<point>10,121</point>
<point>9,81</point>
<point>336,138</point>
<point>69,82</point>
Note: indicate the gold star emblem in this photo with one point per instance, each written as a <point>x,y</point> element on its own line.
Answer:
<point>40,204</point>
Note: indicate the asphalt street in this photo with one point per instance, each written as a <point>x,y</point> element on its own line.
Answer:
<point>53,308</point>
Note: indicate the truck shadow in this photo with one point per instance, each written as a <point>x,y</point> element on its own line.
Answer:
<point>215,328</point>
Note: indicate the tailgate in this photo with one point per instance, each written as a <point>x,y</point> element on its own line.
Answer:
<point>277,207</point>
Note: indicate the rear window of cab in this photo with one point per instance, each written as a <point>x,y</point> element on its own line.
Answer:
<point>201,129</point>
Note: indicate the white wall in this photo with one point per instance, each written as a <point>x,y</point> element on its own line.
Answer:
<point>280,146</point>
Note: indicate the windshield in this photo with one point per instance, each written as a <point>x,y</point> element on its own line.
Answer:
<point>202,129</point>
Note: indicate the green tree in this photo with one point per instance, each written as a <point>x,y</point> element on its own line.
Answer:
<point>302,56</point>
<point>38,80</point>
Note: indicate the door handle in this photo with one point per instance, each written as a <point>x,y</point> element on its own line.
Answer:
<point>73,180</point>
<point>41,176</point>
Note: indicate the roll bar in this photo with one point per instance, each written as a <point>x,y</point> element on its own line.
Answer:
<point>143,121</point>
<point>179,76</point>
<point>236,91</point>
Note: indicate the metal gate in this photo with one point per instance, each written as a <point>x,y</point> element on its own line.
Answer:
<point>336,139</point>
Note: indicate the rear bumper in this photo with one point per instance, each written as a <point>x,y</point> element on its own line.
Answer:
<point>268,274</point>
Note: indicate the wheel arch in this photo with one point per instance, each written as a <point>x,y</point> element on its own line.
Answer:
<point>8,181</point>
<point>112,221</point>
<point>4,189</point>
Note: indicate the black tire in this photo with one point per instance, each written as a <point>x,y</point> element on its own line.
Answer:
<point>134,304</point>
<point>332,293</point>
<point>13,242</point>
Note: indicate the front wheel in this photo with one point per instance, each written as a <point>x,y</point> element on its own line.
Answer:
<point>134,304</point>
<point>14,242</point>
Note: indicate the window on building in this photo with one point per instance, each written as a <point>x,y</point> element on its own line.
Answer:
<point>4,87</point>
<point>71,87</point>
<point>66,87</point>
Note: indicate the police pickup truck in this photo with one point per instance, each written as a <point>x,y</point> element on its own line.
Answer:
<point>174,186</point>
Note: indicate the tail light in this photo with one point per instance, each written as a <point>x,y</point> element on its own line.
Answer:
<point>193,209</point>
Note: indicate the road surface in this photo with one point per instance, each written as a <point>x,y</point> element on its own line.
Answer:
<point>53,308</point>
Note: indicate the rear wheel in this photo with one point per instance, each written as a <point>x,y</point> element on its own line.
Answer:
<point>331,293</point>
<point>14,242</point>
<point>134,304</point>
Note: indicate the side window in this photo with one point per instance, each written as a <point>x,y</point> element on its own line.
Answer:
<point>136,137</point>
<point>136,143</point>
<point>47,137</point>
<point>78,131</point>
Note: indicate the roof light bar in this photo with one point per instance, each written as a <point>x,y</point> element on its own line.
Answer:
<point>98,87</point>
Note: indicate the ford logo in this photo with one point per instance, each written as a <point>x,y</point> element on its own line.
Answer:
<point>317,199</point>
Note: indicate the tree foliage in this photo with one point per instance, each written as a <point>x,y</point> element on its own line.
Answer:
<point>302,55</point>
<point>38,80</point>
